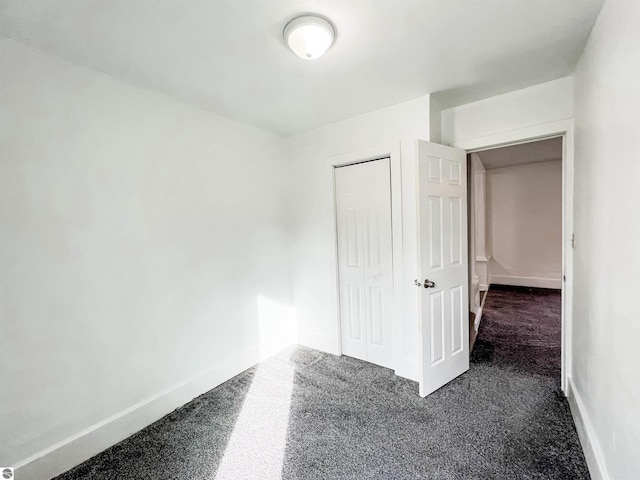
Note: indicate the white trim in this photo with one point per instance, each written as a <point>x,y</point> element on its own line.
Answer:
<point>514,137</point>
<point>476,320</point>
<point>393,153</point>
<point>483,298</point>
<point>408,342</point>
<point>547,130</point>
<point>587,434</point>
<point>537,282</point>
<point>567,253</point>
<point>77,448</point>
<point>480,213</point>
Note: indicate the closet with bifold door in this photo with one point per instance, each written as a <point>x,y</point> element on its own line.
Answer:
<point>365,264</point>
<point>432,275</point>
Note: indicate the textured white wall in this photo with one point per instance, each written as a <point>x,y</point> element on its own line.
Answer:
<point>607,259</point>
<point>524,219</point>
<point>142,242</point>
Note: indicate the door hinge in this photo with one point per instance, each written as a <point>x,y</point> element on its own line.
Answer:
<point>573,240</point>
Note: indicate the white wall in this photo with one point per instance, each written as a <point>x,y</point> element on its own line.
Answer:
<point>510,112</point>
<point>435,120</point>
<point>143,242</point>
<point>607,259</point>
<point>314,274</point>
<point>524,218</point>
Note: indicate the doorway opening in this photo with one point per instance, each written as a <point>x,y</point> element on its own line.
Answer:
<point>516,247</point>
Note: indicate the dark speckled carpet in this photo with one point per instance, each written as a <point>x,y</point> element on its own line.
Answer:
<point>521,329</point>
<point>305,414</point>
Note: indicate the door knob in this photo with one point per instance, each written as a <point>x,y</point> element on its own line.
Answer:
<point>428,283</point>
<point>417,283</point>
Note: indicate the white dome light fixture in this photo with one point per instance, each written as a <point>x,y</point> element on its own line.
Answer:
<point>309,36</point>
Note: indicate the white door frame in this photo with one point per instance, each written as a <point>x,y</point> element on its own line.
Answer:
<point>393,153</point>
<point>562,128</point>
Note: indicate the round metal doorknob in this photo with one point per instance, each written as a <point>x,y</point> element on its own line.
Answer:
<point>428,283</point>
<point>417,283</point>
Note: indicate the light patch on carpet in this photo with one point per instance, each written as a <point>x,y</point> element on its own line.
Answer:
<point>257,445</point>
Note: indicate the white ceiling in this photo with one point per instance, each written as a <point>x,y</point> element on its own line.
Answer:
<point>228,56</point>
<point>522,154</point>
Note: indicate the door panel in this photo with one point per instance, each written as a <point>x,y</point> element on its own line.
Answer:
<point>436,312</point>
<point>456,320</point>
<point>442,247</point>
<point>351,262</point>
<point>434,225</point>
<point>363,212</point>
<point>376,296</point>
<point>353,238</point>
<point>455,204</point>
<point>356,313</point>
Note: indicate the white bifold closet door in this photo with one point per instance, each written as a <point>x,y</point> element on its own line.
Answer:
<point>365,268</point>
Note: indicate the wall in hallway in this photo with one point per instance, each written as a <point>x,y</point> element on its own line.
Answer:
<point>524,223</point>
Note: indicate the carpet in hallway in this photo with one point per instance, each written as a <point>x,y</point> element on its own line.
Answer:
<point>521,329</point>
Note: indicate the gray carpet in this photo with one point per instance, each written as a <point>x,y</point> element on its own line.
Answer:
<point>305,414</point>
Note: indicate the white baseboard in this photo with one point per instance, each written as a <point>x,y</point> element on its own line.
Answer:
<point>537,282</point>
<point>587,435</point>
<point>74,450</point>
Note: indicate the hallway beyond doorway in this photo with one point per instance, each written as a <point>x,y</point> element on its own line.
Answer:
<point>521,328</point>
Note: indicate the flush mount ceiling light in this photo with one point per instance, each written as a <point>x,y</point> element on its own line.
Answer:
<point>309,36</point>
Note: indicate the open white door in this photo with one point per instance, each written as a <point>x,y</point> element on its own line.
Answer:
<point>442,264</point>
